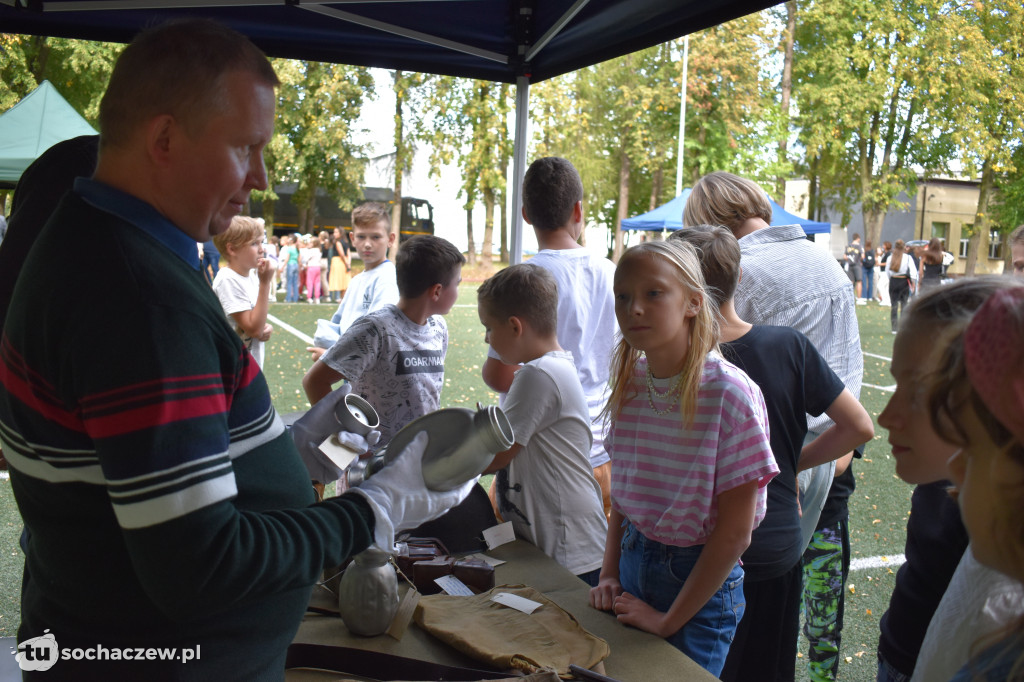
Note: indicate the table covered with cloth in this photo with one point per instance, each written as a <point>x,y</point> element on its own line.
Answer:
<point>635,656</point>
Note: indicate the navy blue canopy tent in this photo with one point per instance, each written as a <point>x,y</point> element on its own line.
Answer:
<point>511,41</point>
<point>670,217</point>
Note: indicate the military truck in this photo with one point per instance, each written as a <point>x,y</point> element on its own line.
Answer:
<point>417,214</point>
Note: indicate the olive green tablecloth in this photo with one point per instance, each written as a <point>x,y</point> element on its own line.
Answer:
<point>636,656</point>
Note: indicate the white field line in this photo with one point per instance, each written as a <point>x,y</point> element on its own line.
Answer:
<point>290,329</point>
<point>890,389</point>
<point>889,561</point>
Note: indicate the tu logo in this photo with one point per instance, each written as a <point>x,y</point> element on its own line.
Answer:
<point>38,653</point>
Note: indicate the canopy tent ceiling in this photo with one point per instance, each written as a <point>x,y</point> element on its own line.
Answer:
<point>495,40</point>
<point>669,217</point>
<point>33,125</point>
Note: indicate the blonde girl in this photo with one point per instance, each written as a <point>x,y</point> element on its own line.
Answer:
<point>978,403</point>
<point>936,538</point>
<point>690,460</point>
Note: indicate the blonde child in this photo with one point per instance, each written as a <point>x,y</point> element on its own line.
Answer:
<point>690,460</point>
<point>243,287</point>
<point>977,402</point>
<point>936,538</point>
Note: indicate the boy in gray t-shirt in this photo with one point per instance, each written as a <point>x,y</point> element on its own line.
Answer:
<point>394,357</point>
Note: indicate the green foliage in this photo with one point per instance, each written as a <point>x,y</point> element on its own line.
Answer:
<point>317,106</point>
<point>79,69</point>
<point>1008,208</point>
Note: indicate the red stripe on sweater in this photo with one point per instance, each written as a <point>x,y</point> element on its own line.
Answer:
<point>159,414</point>
<point>129,392</point>
<point>37,397</point>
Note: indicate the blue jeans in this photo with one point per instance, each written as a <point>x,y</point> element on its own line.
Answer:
<point>655,573</point>
<point>291,278</point>
<point>867,289</point>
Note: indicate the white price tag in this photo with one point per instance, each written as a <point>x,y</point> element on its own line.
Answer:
<point>486,559</point>
<point>516,602</point>
<point>338,453</point>
<point>453,586</point>
<point>496,536</point>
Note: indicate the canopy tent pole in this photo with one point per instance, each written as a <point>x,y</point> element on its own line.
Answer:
<point>515,249</point>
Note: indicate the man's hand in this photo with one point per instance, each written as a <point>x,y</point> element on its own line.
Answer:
<point>265,334</point>
<point>400,498</point>
<point>316,352</point>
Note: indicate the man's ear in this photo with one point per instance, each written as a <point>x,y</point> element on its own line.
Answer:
<point>739,276</point>
<point>577,212</point>
<point>435,291</point>
<point>160,138</point>
<point>516,325</point>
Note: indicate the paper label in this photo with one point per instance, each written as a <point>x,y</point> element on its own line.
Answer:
<point>453,586</point>
<point>516,602</point>
<point>403,616</point>
<point>486,559</point>
<point>496,536</point>
<point>338,453</point>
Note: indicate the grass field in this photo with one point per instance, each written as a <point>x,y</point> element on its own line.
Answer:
<point>878,509</point>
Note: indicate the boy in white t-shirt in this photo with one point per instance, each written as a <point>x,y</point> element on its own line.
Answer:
<point>376,286</point>
<point>243,287</point>
<point>553,204</point>
<point>545,484</point>
<point>394,356</point>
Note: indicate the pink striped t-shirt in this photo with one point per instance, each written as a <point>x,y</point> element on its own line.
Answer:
<point>666,480</point>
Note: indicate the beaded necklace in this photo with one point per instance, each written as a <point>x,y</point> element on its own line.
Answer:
<point>673,392</point>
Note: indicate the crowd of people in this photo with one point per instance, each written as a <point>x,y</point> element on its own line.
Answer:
<point>685,420</point>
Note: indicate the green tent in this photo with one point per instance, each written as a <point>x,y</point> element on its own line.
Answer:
<point>33,125</point>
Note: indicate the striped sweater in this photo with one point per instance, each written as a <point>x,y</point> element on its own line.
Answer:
<point>164,501</point>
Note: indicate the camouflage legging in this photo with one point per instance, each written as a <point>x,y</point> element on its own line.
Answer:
<point>826,566</point>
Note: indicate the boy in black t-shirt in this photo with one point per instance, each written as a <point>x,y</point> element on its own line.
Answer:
<point>796,381</point>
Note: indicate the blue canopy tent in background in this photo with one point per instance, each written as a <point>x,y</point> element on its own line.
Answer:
<point>670,217</point>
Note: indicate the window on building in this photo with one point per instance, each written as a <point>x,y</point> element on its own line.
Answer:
<point>940,231</point>
<point>965,241</point>
<point>995,244</point>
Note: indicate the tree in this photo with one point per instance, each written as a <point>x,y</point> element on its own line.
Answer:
<point>870,90</point>
<point>982,55</point>
<point>79,69</point>
<point>405,85</point>
<point>470,126</point>
<point>317,106</point>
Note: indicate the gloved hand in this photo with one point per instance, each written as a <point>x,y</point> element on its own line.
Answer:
<point>316,425</point>
<point>400,499</point>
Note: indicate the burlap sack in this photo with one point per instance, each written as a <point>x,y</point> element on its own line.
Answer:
<point>547,639</point>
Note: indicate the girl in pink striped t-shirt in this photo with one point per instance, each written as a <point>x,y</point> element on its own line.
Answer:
<point>690,460</point>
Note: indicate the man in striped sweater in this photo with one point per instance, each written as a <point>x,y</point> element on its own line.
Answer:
<point>166,507</point>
